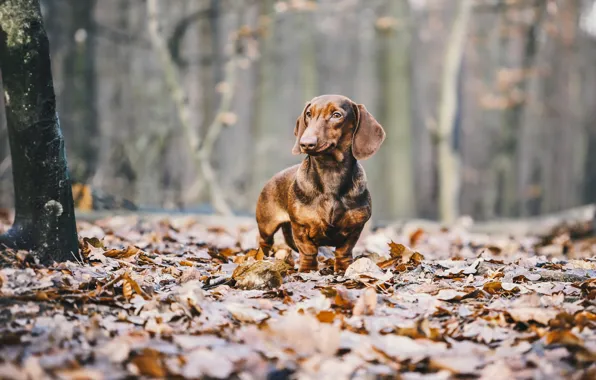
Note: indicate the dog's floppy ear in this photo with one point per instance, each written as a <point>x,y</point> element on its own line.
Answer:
<point>299,130</point>
<point>368,134</point>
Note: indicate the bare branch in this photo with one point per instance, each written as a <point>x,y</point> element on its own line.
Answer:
<point>201,153</point>
<point>171,73</point>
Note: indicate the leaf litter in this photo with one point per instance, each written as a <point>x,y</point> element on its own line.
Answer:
<point>172,298</point>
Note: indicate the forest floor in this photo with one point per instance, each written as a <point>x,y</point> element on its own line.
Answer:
<point>179,299</point>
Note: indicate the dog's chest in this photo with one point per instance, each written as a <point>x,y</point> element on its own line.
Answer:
<point>325,219</point>
<point>331,211</point>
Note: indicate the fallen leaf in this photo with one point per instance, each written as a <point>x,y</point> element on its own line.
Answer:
<point>326,316</point>
<point>450,295</point>
<point>364,267</point>
<point>416,236</point>
<point>527,314</point>
<point>563,337</point>
<point>366,304</point>
<point>127,289</point>
<point>260,274</point>
<point>149,363</point>
<point>122,253</point>
<point>244,313</point>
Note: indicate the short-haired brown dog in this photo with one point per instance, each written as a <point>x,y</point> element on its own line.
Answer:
<point>324,200</point>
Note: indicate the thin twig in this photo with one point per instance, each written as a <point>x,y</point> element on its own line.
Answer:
<point>200,152</point>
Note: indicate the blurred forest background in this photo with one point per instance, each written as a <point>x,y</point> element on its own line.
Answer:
<point>489,105</point>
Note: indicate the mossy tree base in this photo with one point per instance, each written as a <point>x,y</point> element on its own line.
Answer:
<point>45,219</point>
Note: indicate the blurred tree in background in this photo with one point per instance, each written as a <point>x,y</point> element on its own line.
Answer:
<point>523,98</point>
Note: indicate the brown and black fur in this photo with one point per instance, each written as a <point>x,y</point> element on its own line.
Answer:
<point>324,201</point>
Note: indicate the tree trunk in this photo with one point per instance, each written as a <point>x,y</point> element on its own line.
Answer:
<point>45,219</point>
<point>395,110</point>
<point>265,122</point>
<point>449,161</point>
<point>512,124</point>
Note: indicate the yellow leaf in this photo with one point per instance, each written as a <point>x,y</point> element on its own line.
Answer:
<point>326,316</point>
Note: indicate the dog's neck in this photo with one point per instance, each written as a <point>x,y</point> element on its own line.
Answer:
<point>327,174</point>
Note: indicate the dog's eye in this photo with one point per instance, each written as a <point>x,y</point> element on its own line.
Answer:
<point>336,115</point>
<point>308,114</point>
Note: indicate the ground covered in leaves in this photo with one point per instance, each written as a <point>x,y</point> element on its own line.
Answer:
<point>179,299</point>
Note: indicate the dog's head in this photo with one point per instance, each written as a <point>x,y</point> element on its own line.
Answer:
<point>335,125</point>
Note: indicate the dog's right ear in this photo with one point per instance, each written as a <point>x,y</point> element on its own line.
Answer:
<point>299,129</point>
<point>368,136</point>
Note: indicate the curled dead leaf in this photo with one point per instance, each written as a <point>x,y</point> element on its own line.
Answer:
<point>364,267</point>
<point>342,300</point>
<point>564,338</point>
<point>135,286</point>
<point>127,289</point>
<point>402,257</point>
<point>496,287</point>
<point>149,363</point>
<point>260,274</point>
<point>122,253</point>
<point>416,236</point>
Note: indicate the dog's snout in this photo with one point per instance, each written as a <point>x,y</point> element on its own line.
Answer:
<point>308,142</point>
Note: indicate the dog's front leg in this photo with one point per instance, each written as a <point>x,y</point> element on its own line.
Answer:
<point>343,253</point>
<point>307,249</point>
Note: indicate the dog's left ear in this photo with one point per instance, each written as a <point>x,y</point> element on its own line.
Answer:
<point>299,130</point>
<point>368,134</point>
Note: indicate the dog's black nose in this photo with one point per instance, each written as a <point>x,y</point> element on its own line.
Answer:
<point>308,142</point>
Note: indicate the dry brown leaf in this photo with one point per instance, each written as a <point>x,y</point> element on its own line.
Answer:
<point>402,257</point>
<point>364,267</point>
<point>122,253</point>
<point>396,250</point>
<point>260,274</point>
<point>326,316</point>
<point>135,286</point>
<point>536,314</point>
<point>416,236</point>
<point>149,363</point>
<point>421,329</point>
<point>563,337</point>
<point>127,289</point>
<point>342,300</point>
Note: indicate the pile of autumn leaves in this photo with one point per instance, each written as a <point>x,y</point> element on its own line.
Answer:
<point>180,299</point>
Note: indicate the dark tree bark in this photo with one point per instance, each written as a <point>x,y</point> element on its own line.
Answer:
<point>45,219</point>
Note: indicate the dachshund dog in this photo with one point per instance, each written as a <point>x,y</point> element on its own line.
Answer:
<point>324,200</point>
